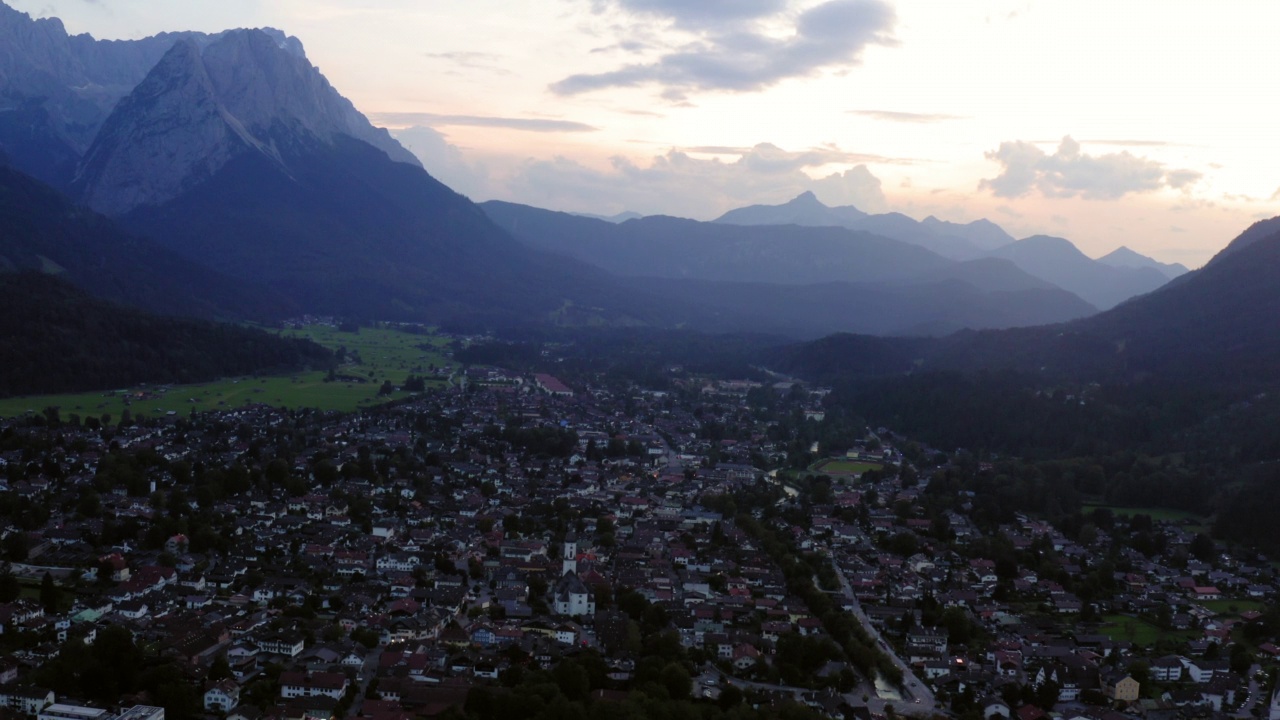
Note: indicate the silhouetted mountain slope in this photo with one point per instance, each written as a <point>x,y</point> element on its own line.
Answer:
<point>1124,257</point>
<point>41,230</point>
<point>1214,326</point>
<point>909,309</point>
<point>1255,232</point>
<point>797,280</point>
<point>1059,262</point>
<point>239,156</point>
<point>54,339</point>
<point>669,247</point>
<point>952,240</point>
<point>804,209</point>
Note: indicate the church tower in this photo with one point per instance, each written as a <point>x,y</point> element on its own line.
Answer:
<point>569,555</point>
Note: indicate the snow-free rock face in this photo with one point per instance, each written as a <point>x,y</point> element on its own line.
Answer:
<point>203,104</point>
<point>76,78</point>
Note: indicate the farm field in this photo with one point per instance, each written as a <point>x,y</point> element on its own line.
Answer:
<point>374,355</point>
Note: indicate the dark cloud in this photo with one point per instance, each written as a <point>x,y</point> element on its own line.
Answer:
<point>528,124</point>
<point>741,58</point>
<point>906,117</point>
<point>1068,172</point>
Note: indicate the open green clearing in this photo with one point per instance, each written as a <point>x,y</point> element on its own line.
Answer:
<point>843,467</point>
<point>1232,607</point>
<point>1141,632</point>
<point>374,355</point>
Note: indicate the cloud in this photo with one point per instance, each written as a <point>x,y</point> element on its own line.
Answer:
<point>403,119</point>
<point>1068,172</point>
<point>736,54</point>
<point>698,13</point>
<point>471,60</point>
<point>906,117</point>
<point>445,162</point>
<point>679,184</point>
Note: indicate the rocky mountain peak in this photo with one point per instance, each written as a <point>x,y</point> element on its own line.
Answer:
<point>202,105</point>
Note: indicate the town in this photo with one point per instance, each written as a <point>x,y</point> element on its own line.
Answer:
<point>521,543</point>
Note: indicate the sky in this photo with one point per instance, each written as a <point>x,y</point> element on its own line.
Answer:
<point>1145,124</point>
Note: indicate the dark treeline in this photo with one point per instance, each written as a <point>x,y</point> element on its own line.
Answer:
<point>55,339</point>
<point>640,355</point>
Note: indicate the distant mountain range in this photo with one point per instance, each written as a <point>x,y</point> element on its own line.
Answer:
<point>1104,283</point>
<point>1211,326</point>
<point>838,277</point>
<point>952,240</point>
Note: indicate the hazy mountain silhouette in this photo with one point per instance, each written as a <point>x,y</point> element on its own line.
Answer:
<point>1211,326</point>
<point>45,232</point>
<point>952,240</point>
<point>839,278</point>
<point>1059,262</point>
<point>1126,258</point>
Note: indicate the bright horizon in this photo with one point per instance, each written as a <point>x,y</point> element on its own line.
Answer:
<point>1141,124</point>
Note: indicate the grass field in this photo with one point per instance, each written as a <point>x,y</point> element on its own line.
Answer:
<point>843,467</point>
<point>1141,632</point>
<point>1232,607</point>
<point>383,355</point>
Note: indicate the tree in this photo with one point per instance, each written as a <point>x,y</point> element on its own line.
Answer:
<point>1201,547</point>
<point>220,669</point>
<point>1241,659</point>
<point>15,546</point>
<point>677,681</point>
<point>10,589</point>
<point>49,594</point>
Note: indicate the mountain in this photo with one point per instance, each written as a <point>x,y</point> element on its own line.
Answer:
<point>1212,327</point>
<point>246,92</point>
<point>668,247</point>
<point>804,209</point>
<point>45,232</point>
<point>982,233</point>
<point>56,89</point>
<point>239,156</point>
<point>1057,261</point>
<point>56,339</point>
<point>1258,231</point>
<point>952,240</point>
<point>915,308</point>
<point>620,217</point>
<point>794,280</point>
<point>1126,258</point>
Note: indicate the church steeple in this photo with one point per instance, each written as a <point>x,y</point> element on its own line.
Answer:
<point>569,554</point>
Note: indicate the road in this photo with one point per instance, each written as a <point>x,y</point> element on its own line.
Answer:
<point>916,696</point>
<point>367,672</point>
<point>1246,710</point>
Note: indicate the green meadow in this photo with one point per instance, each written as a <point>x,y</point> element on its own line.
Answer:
<point>843,467</point>
<point>373,356</point>
<point>1141,632</point>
